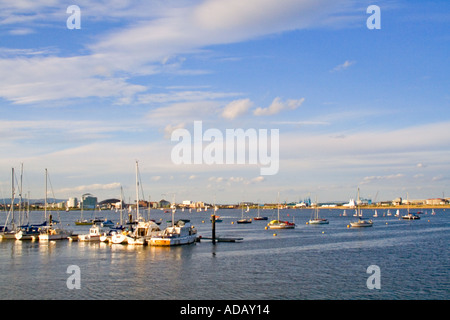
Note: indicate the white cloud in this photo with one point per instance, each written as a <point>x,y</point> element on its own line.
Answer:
<point>277,106</point>
<point>236,108</point>
<point>343,66</point>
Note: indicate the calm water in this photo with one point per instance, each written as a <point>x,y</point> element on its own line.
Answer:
<point>309,262</point>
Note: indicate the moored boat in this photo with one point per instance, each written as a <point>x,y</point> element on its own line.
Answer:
<point>179,233</point>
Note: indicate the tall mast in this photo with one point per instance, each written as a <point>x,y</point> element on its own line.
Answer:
<point>45,198</point>
<point>137,192</point>
<point>12,199</point>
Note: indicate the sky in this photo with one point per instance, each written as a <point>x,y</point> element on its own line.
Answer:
<point>355,107</point>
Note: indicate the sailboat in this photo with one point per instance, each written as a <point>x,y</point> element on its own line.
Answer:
<point>244,220</point>
<point>278,224</point>
<point>315,219</point>
<point>143,230</point>
<point>375,214</point>
<point>10,233</point>
<point>82,221</point>
<point>410,215</point>
<point>360,222</point>
<point>259,217</point>
<point>52,231</point>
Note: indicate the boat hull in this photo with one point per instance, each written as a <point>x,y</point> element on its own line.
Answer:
<point>361,224</point>
<point>175,241</point>
<point>318,221</point>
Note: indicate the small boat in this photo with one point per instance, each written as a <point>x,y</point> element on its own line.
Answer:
<point>119,237</point>
<point>179,233</point>
<point>258,218</point>
<point>243,220</point>
<point>410,216</point>
<point>315,219</point>
<point>54,233</point>
<point>279,224</point>
<point>94,234</point>
<point>361,223</point>
<point>389,213</point>
<point>375,214</point>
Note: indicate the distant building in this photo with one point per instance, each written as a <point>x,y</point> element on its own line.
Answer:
<point>88,201</point>
<point>436,201</point>
<point>72,203</point>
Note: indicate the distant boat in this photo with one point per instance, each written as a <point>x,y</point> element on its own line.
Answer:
<point>278,224</point>
<point>397,213</point>
<point>179,233</point>
<point>360,222</point>
<point>244,220</point>
<point>52,231</point>
<point>315,218</point>
<point>257,218</point>
<point>389,213</point>
<point>375,214</point>
<point>345,213</point>
<point>410,215</point>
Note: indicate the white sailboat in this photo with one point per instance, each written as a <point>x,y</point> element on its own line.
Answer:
<point>242,219</point>
<point>315,218</point>
<point>52,231</point>
<point>8,231</point>
<point>360,222</point>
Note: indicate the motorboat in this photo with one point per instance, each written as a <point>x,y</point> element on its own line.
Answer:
<point>179,233</point>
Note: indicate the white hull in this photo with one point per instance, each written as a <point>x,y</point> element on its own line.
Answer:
<point>361,224</point>
<point>274,224</point>
<point>318,221</point>
<point>162,241</point>
<point>119,238</point>
<point>8,236</point>
<point>55,234</point>
<point>88,237</point>
<point>23,236</point>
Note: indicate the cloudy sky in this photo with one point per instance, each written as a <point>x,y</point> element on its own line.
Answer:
<point>355,107</point>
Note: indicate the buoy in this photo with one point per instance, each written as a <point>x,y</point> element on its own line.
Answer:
<point>306,222</point>
<point>348,226</point>
<point>323,231</point>
<point>232,222</point>
<point>203,221</point>
<point>265,228</point>
<point>274,234</point>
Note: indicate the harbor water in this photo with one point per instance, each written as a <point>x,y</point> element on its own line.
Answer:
<point>328,261</point>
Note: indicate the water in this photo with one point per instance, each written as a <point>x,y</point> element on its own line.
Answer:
<point>308,262</point>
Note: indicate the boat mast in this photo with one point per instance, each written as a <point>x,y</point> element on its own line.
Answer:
<point>45,198</point>
<point>12,199</point>
<point>137,192</point>
<point>278,206</point>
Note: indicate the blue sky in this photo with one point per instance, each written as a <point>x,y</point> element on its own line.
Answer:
<point>354,107</point>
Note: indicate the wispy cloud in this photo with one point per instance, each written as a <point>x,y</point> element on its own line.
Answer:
<point>277,106</point>
<point>236,108</point>
<point>343,66</point>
